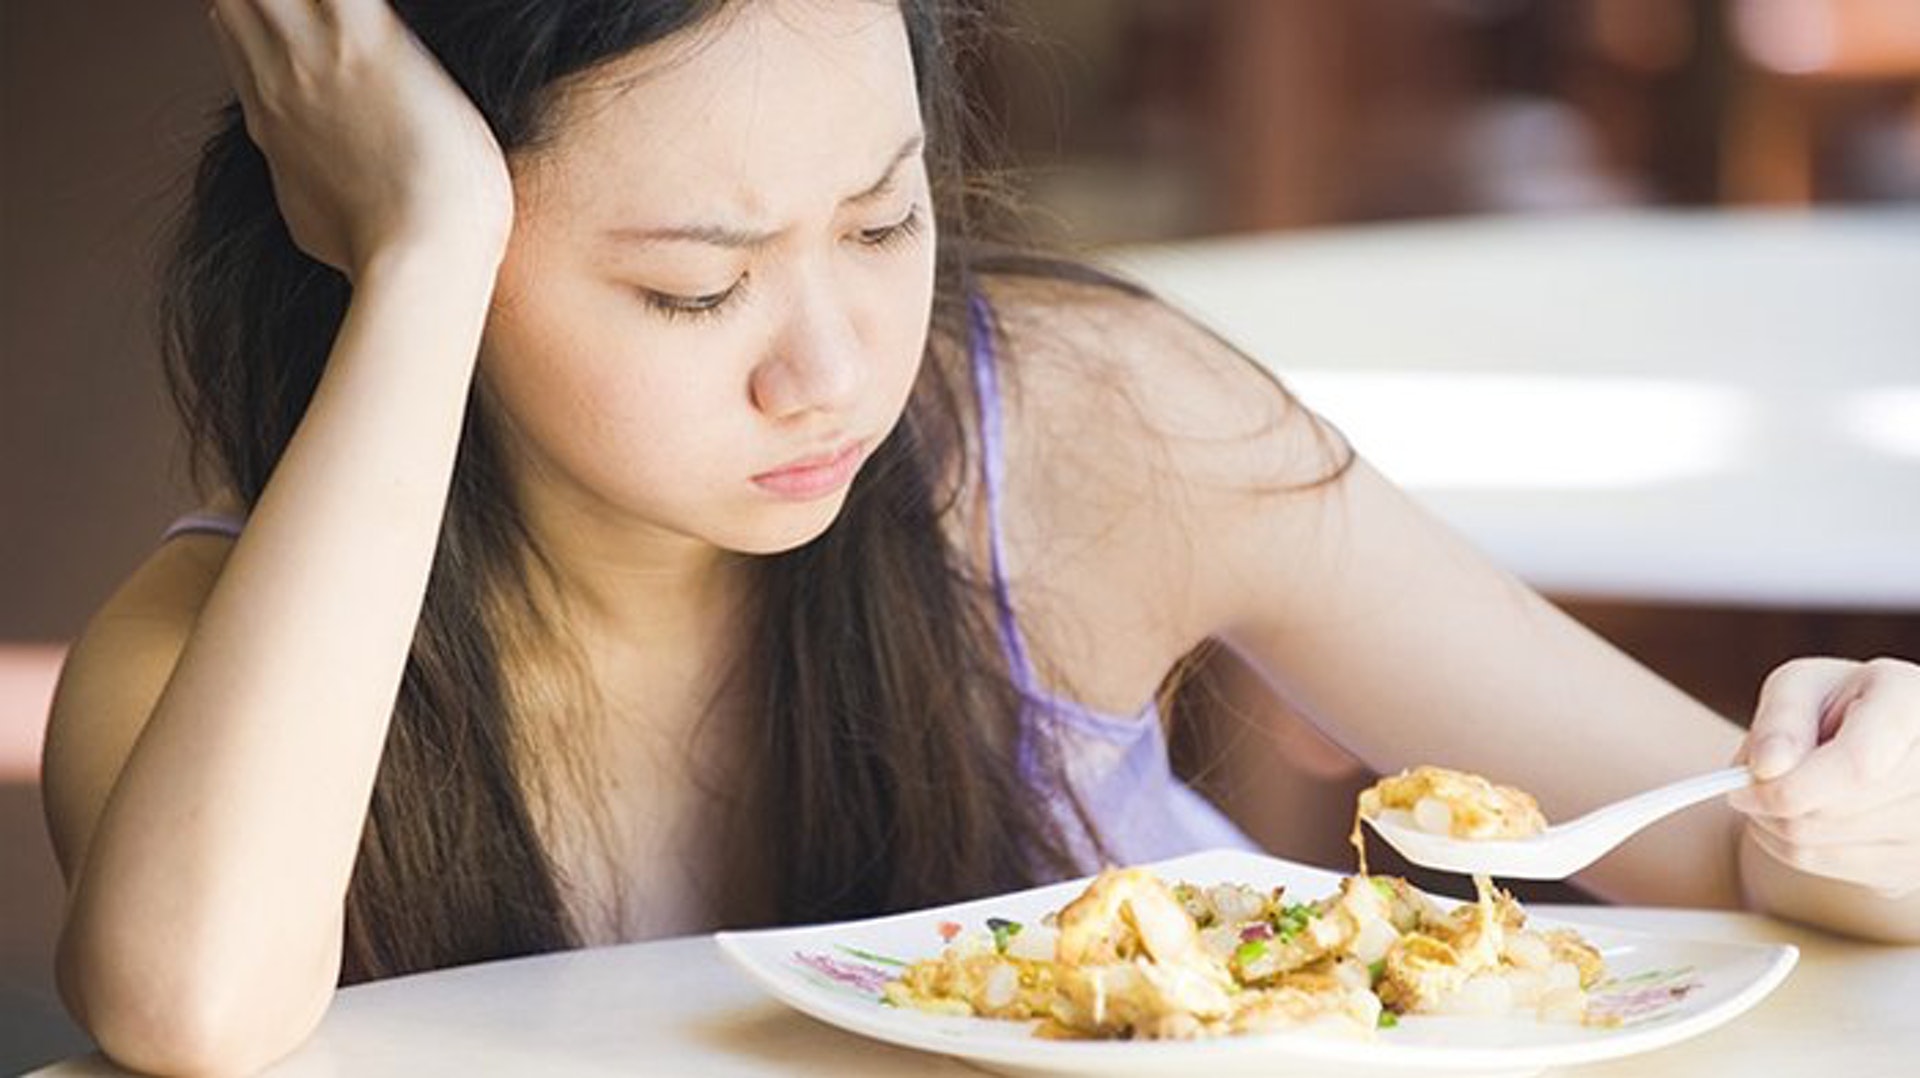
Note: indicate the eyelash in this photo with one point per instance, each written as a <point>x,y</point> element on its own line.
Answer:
<point>694,308</point>
<point>894,235</point>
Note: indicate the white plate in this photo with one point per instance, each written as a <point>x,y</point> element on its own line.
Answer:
<point>1664,989</point>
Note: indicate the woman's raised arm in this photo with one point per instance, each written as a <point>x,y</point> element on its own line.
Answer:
<point>218,728</point>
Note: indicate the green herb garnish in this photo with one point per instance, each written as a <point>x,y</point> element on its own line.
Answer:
<point>1293,920</point>
<point>1003,932</point>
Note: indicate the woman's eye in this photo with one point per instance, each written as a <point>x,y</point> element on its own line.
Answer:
<point>674,306</point>
<point>893,235</point>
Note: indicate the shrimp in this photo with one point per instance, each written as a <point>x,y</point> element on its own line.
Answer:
<point>1125,913</point>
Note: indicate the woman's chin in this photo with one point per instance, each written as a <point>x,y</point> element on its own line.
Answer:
<point>789,527</point>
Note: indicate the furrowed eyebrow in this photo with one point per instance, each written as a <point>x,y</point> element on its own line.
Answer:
<point>885,183</point>
<point>717,235</point>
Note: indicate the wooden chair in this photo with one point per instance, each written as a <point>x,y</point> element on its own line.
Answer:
<point>1800,63</point>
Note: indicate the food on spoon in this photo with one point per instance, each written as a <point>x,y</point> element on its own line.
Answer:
<point>1445,802</point>
<point>1441,801</point>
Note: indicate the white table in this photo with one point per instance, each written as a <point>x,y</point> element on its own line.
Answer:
<point>1719,408</point>
<point>678,1008</point>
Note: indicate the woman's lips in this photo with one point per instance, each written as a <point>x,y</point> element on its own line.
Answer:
<point>813,477</point>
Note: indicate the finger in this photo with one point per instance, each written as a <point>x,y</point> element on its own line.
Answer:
<point>1891,868</point>
<point>360,12</point>
<point>233,59</point>
<point>242,22</point>
<point>1793,707</point>
<point>292,20</point>
<point>1874,717</point>
<point>1793,713</point>
<point>1872,745</point>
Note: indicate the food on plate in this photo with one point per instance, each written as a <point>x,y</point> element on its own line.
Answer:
<point>1134,956</point>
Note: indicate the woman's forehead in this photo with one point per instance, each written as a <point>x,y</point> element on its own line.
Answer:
<point>760,111</point>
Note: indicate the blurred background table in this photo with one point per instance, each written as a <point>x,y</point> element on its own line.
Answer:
<point>1699,432</point>
<point>1713,408</point>
<point>678,1007</point>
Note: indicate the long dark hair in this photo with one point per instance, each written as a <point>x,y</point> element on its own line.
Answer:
<point>882,773</point>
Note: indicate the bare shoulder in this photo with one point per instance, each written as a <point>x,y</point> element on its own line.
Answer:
<point>113,676</point>
<point>1140,377</point>
<point>1129,400</point>
<point>1142,447</point>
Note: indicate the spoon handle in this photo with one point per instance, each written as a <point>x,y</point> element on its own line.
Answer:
<point>1665,800</point>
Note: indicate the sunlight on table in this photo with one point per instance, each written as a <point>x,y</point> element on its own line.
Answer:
<point>1886,420</point>
<point>1440,431</point>
<point>1660,406</point>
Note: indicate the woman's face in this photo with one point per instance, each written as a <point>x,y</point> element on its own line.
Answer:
<point>718,288</point>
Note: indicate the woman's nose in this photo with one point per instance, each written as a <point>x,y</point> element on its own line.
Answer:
<point>815,364</point>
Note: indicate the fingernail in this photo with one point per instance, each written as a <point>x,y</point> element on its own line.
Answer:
<point>1773,756</point>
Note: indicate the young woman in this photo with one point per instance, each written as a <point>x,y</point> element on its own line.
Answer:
<point>646,503</point>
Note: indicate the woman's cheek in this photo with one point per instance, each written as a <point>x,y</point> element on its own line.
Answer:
<point>908,308</point>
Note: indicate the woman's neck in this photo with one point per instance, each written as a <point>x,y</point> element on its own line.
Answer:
<point>653,621</point>
<point>618,578</point>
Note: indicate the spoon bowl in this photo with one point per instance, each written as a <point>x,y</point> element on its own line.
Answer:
<point>1561,850</point>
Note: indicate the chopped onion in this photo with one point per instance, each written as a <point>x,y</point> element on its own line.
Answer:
<point>1001,986</point>
<point>1352,974</point>
<point>1528,951</point>
<point>1433,816</point>
<point>1373,940</point>
<point>1233,903</point>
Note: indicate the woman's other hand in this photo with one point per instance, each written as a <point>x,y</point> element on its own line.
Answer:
<point>1835,753</point>
<point>371,144</point>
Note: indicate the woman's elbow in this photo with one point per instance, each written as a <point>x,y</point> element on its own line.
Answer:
<point>177,1022</point>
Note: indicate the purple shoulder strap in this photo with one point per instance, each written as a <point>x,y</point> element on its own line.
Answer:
<point>204,523</point>
<point>986,385</point>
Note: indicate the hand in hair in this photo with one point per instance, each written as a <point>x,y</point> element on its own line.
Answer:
<point>370,143</point>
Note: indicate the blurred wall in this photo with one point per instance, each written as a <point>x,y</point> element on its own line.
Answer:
<point>99,104</point>
<point>1162,119</point>
<point>1141,119</point>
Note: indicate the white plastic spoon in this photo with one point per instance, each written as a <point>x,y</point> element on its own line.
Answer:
<point>1561,850</point>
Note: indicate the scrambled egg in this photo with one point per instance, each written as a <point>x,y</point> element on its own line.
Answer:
<point>1135,957</point>
<point>1467,805</point>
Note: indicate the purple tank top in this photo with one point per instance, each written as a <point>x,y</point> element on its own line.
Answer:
<point>1117,765</point>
